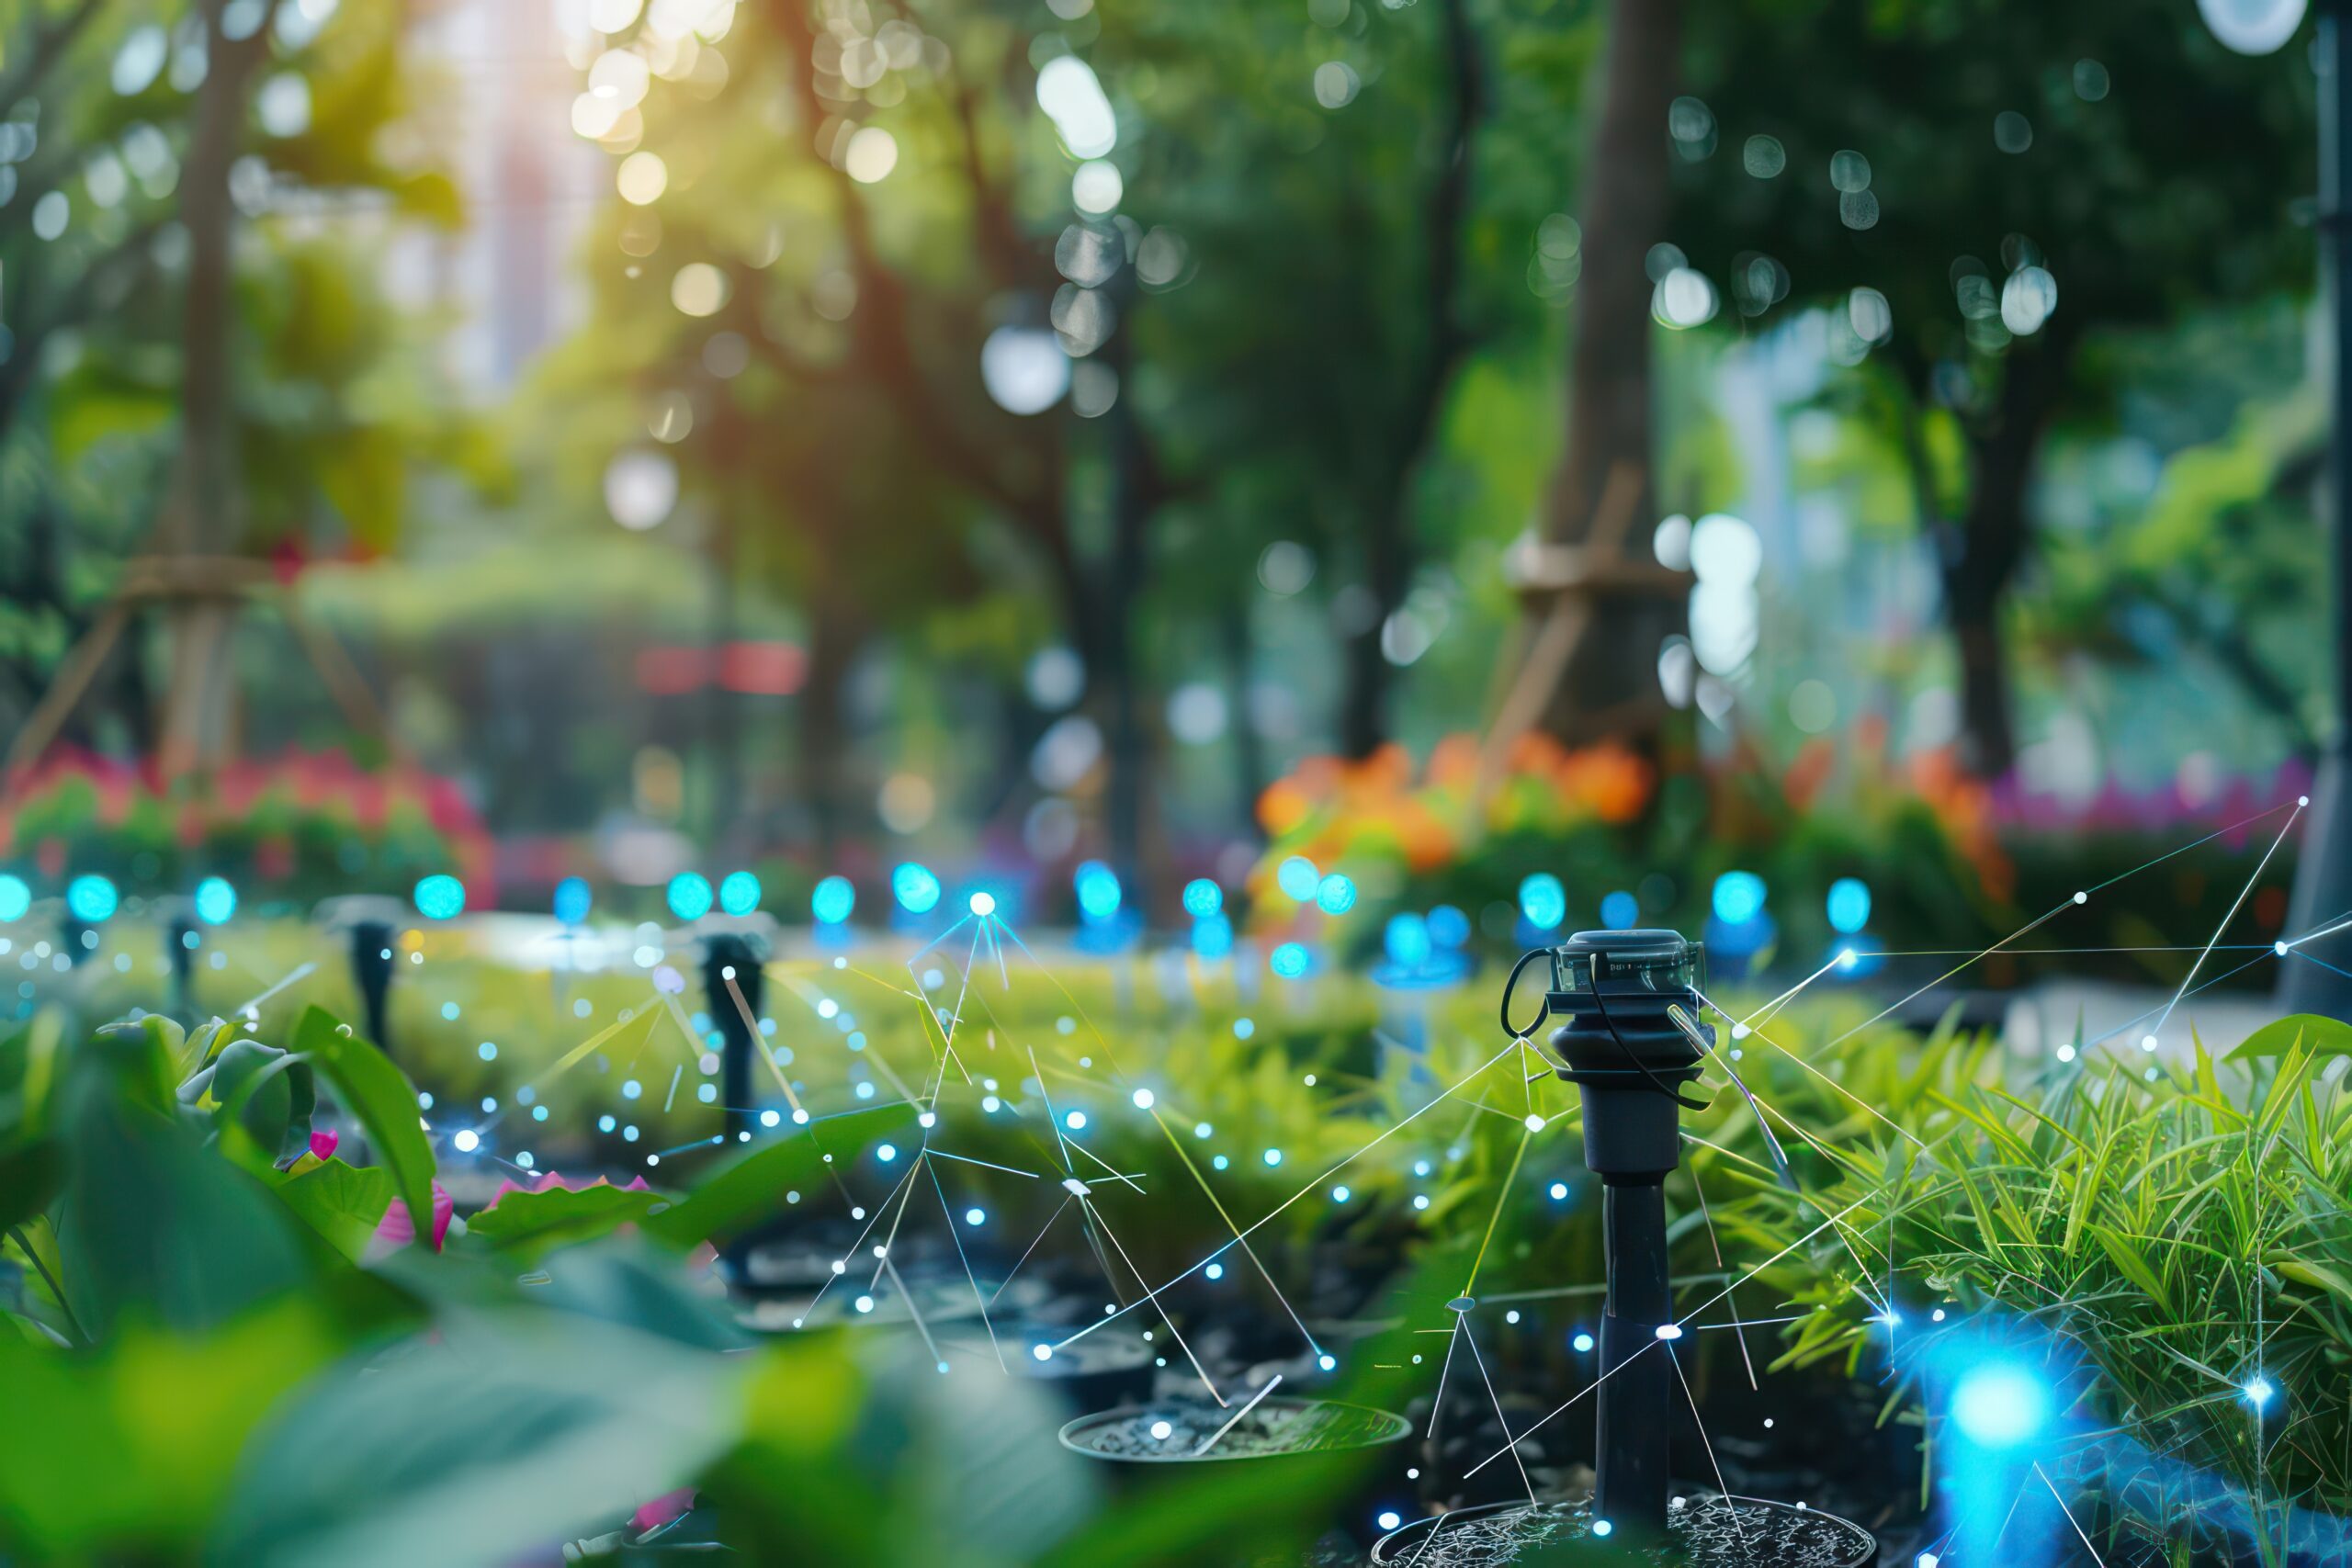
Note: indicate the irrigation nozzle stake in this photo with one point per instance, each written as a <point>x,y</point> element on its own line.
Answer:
<point>732,988</point>
<point>1613,994</point>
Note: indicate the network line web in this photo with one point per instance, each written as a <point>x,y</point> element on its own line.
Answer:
<point>1053,1158</point>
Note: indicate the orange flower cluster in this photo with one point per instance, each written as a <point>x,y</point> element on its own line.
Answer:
<point>1334,812</point>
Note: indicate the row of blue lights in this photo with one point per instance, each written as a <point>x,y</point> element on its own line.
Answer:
<point>93,899</point>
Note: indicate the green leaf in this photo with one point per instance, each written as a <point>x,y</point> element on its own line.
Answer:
<point>269,1093</point>
<point>153,1224</point>
<point>501,1435</point>
<point>752,1189</point>
<point>2321,1036</point>
<point>110,1455</point>
<point>530,1223</point>
<point>30,1177</point>
<point>343,1202</point>
<point>381,1097</point>
<point>2317,1276</point>
<point>2134,1266</point>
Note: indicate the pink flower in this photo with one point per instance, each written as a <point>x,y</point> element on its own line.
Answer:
<point>661,1510</point>
<point>397,1229</point>
<point>322,1144</point>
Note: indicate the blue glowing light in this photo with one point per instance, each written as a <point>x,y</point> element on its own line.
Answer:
<point>14,898</point>
<point>1202,899</point>
<point>1289,961</point>
<point>1849,905</point>
<point>1298,878</point>
<point>915,887</point>
<point>215,900</point>
<point>1334,895</point>
<point>1098,891</point>
<point>2000,1404</point>
<point>1619,911</point>
<point>572,900</point>
<point>1449,926</point>
<point>440,896</point>
<point>91,897</point>
<point>690,897</point>
<point>739,893</point>
<point>833,899</point>
<point>1739,897</point>
<point>1213,936</point>
<point>1582,1342</point>
<point>1406,940</point>
<point>1544,901</point>
<point>2260,1391</point>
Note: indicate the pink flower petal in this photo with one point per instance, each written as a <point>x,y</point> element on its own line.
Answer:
<point>661,1510</point>
<point>322,1144</point>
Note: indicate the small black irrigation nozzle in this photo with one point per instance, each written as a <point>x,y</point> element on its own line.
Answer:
<point>371,971</point>
<point>179,951</point>
<point>1616,995</point>
<point>734,987</point>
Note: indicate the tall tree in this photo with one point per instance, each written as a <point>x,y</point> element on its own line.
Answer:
<point>1980,192</point>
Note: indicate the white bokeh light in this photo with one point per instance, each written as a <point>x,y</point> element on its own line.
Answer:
<point>1072,98</point>
<point>640,488</point>
<point>1024,369</point>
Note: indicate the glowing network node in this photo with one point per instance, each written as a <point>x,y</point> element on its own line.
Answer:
<point>572,900</point>
<point>1542,900</point>
<point>690,895</point>
<point>738,894</point>
<point>487,1050</point>
<point>1298,878</point>
<point>439,896</point>
<point>216,900</point>
<point>1846,958</point>
<point>1098,891</point>
<point>1327,1363</point>
<point>1334,895</point>
<point>1619,911</point>
<point>1535,1122</point>
<point>1274,1156</point>
<point>1559,1191</point>
<point>983,903</point>
<point>1339,1194</point>
<point>1243,1028</point>
<point>2258,1391</point>
<point>1202,899</point>
<point>1849,904</point>
<point>1582,1343</point>
<point>975,1217</point>
<point>1075,1121</point>
<point>1602,1527</point>
<point>2147,1043</point>
<point>915,887</point>
<point>832,901</point>
<point>2000,1404</point>
<point>1161,1431</point>
<point>467,1141</point>
<point>91,897</point>
<point>1043,1352</point>
<point>1389,1519</point>
<point>2280,948</point>
<point>887,1153</point>
<point>1215,1271</point>
<point>1289,961</point>
<point>1669,1331</point>
<point>15,897</point>
<point>1144,1098</point>
<point>1739,897</point>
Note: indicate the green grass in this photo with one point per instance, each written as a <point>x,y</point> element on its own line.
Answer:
<point>2173,1232</point>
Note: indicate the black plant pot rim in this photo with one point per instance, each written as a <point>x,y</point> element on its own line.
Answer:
<point>1379,1428</point>
<point>1410,1543</point>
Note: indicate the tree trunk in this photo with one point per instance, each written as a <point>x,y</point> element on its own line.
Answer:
<point>1980,557</point>
<point>203,509</point>
<point>1249,750</point>
<point>1388,541</point>
<point>1623,214</point>
<point>834,637</point>
<point>1132,501</point>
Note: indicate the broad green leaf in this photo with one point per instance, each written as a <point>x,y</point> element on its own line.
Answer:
<point>30,1175</point>
<point>503,1434</point>
<point>343,1202</point>
<point>381,1097</point>
<point>154,1226</point>
<point>2317,1276</point>
<point>2319,1035</point>
<point>2133,1264</point>
<point>752,1189</point>
<point>269,1093</point>
<point>529,1223</point>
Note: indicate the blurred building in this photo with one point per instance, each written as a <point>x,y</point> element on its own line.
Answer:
<point>502,89</point>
